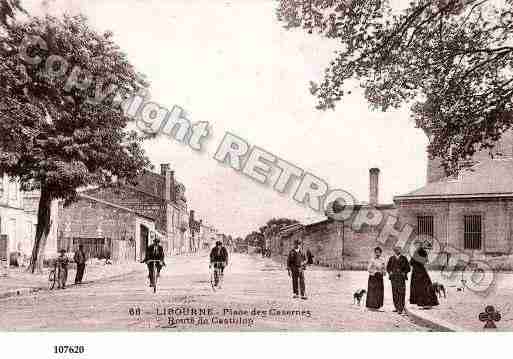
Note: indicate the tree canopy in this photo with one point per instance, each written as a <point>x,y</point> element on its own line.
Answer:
<point>8,10</point>
<point>449,59</point>
<point>274,225</point>
<point>61,119</point>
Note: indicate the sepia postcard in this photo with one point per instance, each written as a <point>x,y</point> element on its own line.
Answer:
<point>256,166</point>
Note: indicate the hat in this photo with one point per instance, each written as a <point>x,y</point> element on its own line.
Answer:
<point>62,250</point>
<point>218,243</point>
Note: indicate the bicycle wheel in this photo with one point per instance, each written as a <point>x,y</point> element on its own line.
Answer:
<point>212,280</point>
<point>155,277</point>
<point>51,279</point>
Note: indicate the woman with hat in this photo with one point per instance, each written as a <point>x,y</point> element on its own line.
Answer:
<point>422,292</point>
<point>376,271</point>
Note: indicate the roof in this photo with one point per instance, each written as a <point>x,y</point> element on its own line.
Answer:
<point>490,178</point>
<point>138,213</point>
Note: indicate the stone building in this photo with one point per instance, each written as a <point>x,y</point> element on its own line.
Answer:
<point>471,213</point>
<point>156,204</point>
<point>195,233</point>
<point>208,236</point>
<point>337,244</point>
<point>105,229</point>
<point>18,221</point>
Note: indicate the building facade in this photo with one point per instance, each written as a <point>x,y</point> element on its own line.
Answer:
<point>208,236</point>
<point>18,221</point>
<point>156,204</point>
<point>471,213</point>
<point>337,244</point>
<point>105,229</point>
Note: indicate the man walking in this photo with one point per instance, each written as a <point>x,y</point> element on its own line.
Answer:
<point>296,264</point>
<point>80,259</point>
<point>398,269</point>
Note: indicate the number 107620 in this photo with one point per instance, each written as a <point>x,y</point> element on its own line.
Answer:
<point>68,349</point>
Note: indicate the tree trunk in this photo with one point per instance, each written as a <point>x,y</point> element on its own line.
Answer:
<point>42,231</point>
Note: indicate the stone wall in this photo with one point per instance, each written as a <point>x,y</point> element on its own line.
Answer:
<point>325,240</point>
<point>91,219</point>
<point>140,202</point>
<point>497,217</point>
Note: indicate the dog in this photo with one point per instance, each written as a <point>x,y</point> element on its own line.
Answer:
<point>463,285</point>
<point>358,296</point>
<point>439,290</point>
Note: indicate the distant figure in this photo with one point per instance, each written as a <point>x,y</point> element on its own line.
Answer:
<point>376,270</point>
<point>219,260</point>
<point>61,269</point>
<point>296,264</point>
<point>309,257</point>
<point>422,292</point>
<point>398,269</point>
<point>80,259</point>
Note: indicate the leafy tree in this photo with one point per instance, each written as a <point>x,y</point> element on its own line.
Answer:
<point>62,124</point>
<point>8,10</point>
<point>451,60</point>
<point>274,225</point>
<point>254,239</point>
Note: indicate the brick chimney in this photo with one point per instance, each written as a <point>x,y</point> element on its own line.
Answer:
<point>168,181</point>
<point>374,186</point>
<point>164,168</point>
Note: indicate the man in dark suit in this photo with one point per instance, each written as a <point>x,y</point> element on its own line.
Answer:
<point>154,252</point>
<point>296,264</point>
<point>80,259</point>
<point>398,269</point>
<point>219,260</point>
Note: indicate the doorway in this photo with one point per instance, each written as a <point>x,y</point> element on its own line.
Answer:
<point>144,234</point>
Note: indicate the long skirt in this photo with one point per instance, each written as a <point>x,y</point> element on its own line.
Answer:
<point>375,291</point>
<point>422,292</point>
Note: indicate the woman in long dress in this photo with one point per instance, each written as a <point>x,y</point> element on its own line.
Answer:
<point>422,292</point>
<point>376,271</point>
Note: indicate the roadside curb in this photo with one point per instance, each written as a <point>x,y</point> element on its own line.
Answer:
<point>19,292</point>
<point>424,319</point>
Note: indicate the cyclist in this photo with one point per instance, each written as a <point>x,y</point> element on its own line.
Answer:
<point>154,252</point>
<point>219,259</point>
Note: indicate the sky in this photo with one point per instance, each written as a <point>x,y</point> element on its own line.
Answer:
<point>231,63</point>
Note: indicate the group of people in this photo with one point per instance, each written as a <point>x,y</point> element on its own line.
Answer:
<point>398,267</point>
<point>155,254</point>
<point>62,263</point>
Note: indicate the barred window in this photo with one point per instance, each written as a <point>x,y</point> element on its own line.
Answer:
<point>425,226</point>
<point>473,234</point>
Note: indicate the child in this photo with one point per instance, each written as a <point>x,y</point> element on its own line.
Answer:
<point>61,266</point>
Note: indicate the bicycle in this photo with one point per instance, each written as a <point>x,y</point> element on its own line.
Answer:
<point>54,275</point>
<point>216,274</point>
<point>153,278</point>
